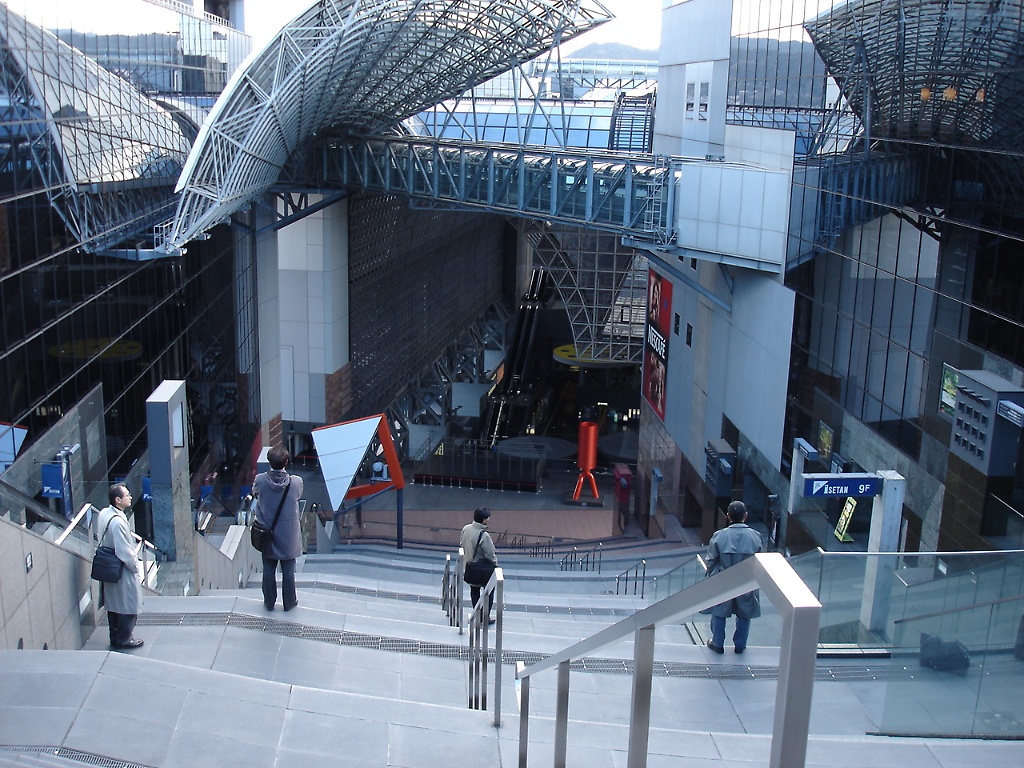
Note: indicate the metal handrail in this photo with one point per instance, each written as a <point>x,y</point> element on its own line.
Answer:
<point>73,524</point>
<point>589,561</point>
<point>635,573</point>
<point>797,607</point>
<point>451,589</point>
<point>147,555</point>
<point>568,561</point>
<point>543,549</point>
<point>478,644</point>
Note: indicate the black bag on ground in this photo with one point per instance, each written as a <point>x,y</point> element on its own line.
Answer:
<point>946,655</point>
<point>478,572</point>
<point>106,565</point>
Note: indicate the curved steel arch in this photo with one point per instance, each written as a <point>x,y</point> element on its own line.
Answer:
<point>108,154</point>
<point>363,64</point>
<point>942,71</point>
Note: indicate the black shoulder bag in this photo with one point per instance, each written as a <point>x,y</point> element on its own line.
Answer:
<point>478,572</point>
<point>260,536</point>
<point>106,565</point>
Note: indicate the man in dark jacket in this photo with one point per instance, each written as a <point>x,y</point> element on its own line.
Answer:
<point>729,546</point>
<point>277,489</point>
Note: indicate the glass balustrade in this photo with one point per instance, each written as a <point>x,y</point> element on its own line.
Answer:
<point>682,576</point>
<point>958,672</point>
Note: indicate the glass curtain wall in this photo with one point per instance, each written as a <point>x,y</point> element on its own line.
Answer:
<point>909,176</point>
<point>99,102</point>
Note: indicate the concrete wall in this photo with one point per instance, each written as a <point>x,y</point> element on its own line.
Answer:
<point>52,604</point>
<point>736,364</point>
<point>693,59</point>
<point>228,565</point>
<point>313,307</point>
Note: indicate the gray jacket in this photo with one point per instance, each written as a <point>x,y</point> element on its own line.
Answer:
<point>729,546</point>
<point>125,596</point>
<point>468,542</point>
<point>268,487</point>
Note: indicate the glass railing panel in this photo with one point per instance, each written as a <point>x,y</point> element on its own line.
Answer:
<point>682,576</point>
<point>23,510</point>
<point>957,673</point>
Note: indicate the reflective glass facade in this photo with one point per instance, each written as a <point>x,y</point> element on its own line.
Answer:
<point>908,253</point>
<point>92,146</point>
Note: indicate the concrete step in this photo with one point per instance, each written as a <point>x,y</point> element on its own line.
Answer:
<point>184,716</point>
<point>659,556</point>
<point>577,582</point>
<point>529,632</point>
<point>531,595</point>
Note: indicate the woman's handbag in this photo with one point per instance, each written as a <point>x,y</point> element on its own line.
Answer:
<point>106,565</point>
<point>478,572</point>
<point>260,536</point>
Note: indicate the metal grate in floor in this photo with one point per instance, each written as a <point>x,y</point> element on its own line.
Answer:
<point>450,651</point>
<point>73,755</point>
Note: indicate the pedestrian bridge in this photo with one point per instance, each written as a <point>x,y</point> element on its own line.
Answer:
<point>728,212</point>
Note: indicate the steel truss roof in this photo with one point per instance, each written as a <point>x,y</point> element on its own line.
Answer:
<point>108,156</point>
<point>603,285</point>
<point>361,64</point>
<point>925,69</point>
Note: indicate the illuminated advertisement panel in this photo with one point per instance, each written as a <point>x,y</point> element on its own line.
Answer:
<point>659,314</point>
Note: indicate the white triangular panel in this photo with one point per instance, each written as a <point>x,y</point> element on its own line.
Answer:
<point>340,449</point>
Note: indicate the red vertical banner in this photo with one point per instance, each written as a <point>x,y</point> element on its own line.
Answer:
<point>659,316</point>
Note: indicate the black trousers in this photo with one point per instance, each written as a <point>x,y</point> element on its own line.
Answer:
<point>474,596</point>
<point>122,625</point>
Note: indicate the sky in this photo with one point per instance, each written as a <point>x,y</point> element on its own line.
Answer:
<point>637,23</point>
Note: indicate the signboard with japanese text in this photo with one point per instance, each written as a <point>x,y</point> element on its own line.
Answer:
<point>844,520</point>
<point>659,319</point>
<point>819,486</point>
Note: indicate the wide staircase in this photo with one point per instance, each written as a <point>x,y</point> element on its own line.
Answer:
<point>368,671</point>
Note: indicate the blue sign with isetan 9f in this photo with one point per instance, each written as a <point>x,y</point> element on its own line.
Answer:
<point>842,485</point>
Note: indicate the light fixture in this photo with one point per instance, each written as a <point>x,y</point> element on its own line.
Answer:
<point>949,94</point>
<point>979,95</point>
<point>926,93</point>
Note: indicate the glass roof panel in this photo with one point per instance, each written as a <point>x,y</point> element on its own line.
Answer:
<point>107,130</point>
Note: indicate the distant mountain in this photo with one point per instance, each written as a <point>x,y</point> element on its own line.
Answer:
<point>614,52</point>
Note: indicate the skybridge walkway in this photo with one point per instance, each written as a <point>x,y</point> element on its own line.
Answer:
<point>624,194</point>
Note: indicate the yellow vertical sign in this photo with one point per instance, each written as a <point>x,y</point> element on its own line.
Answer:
<point>844,520</point>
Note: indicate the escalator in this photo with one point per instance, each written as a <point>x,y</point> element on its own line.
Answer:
<point>632,124</point>
<point>509,404</point>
